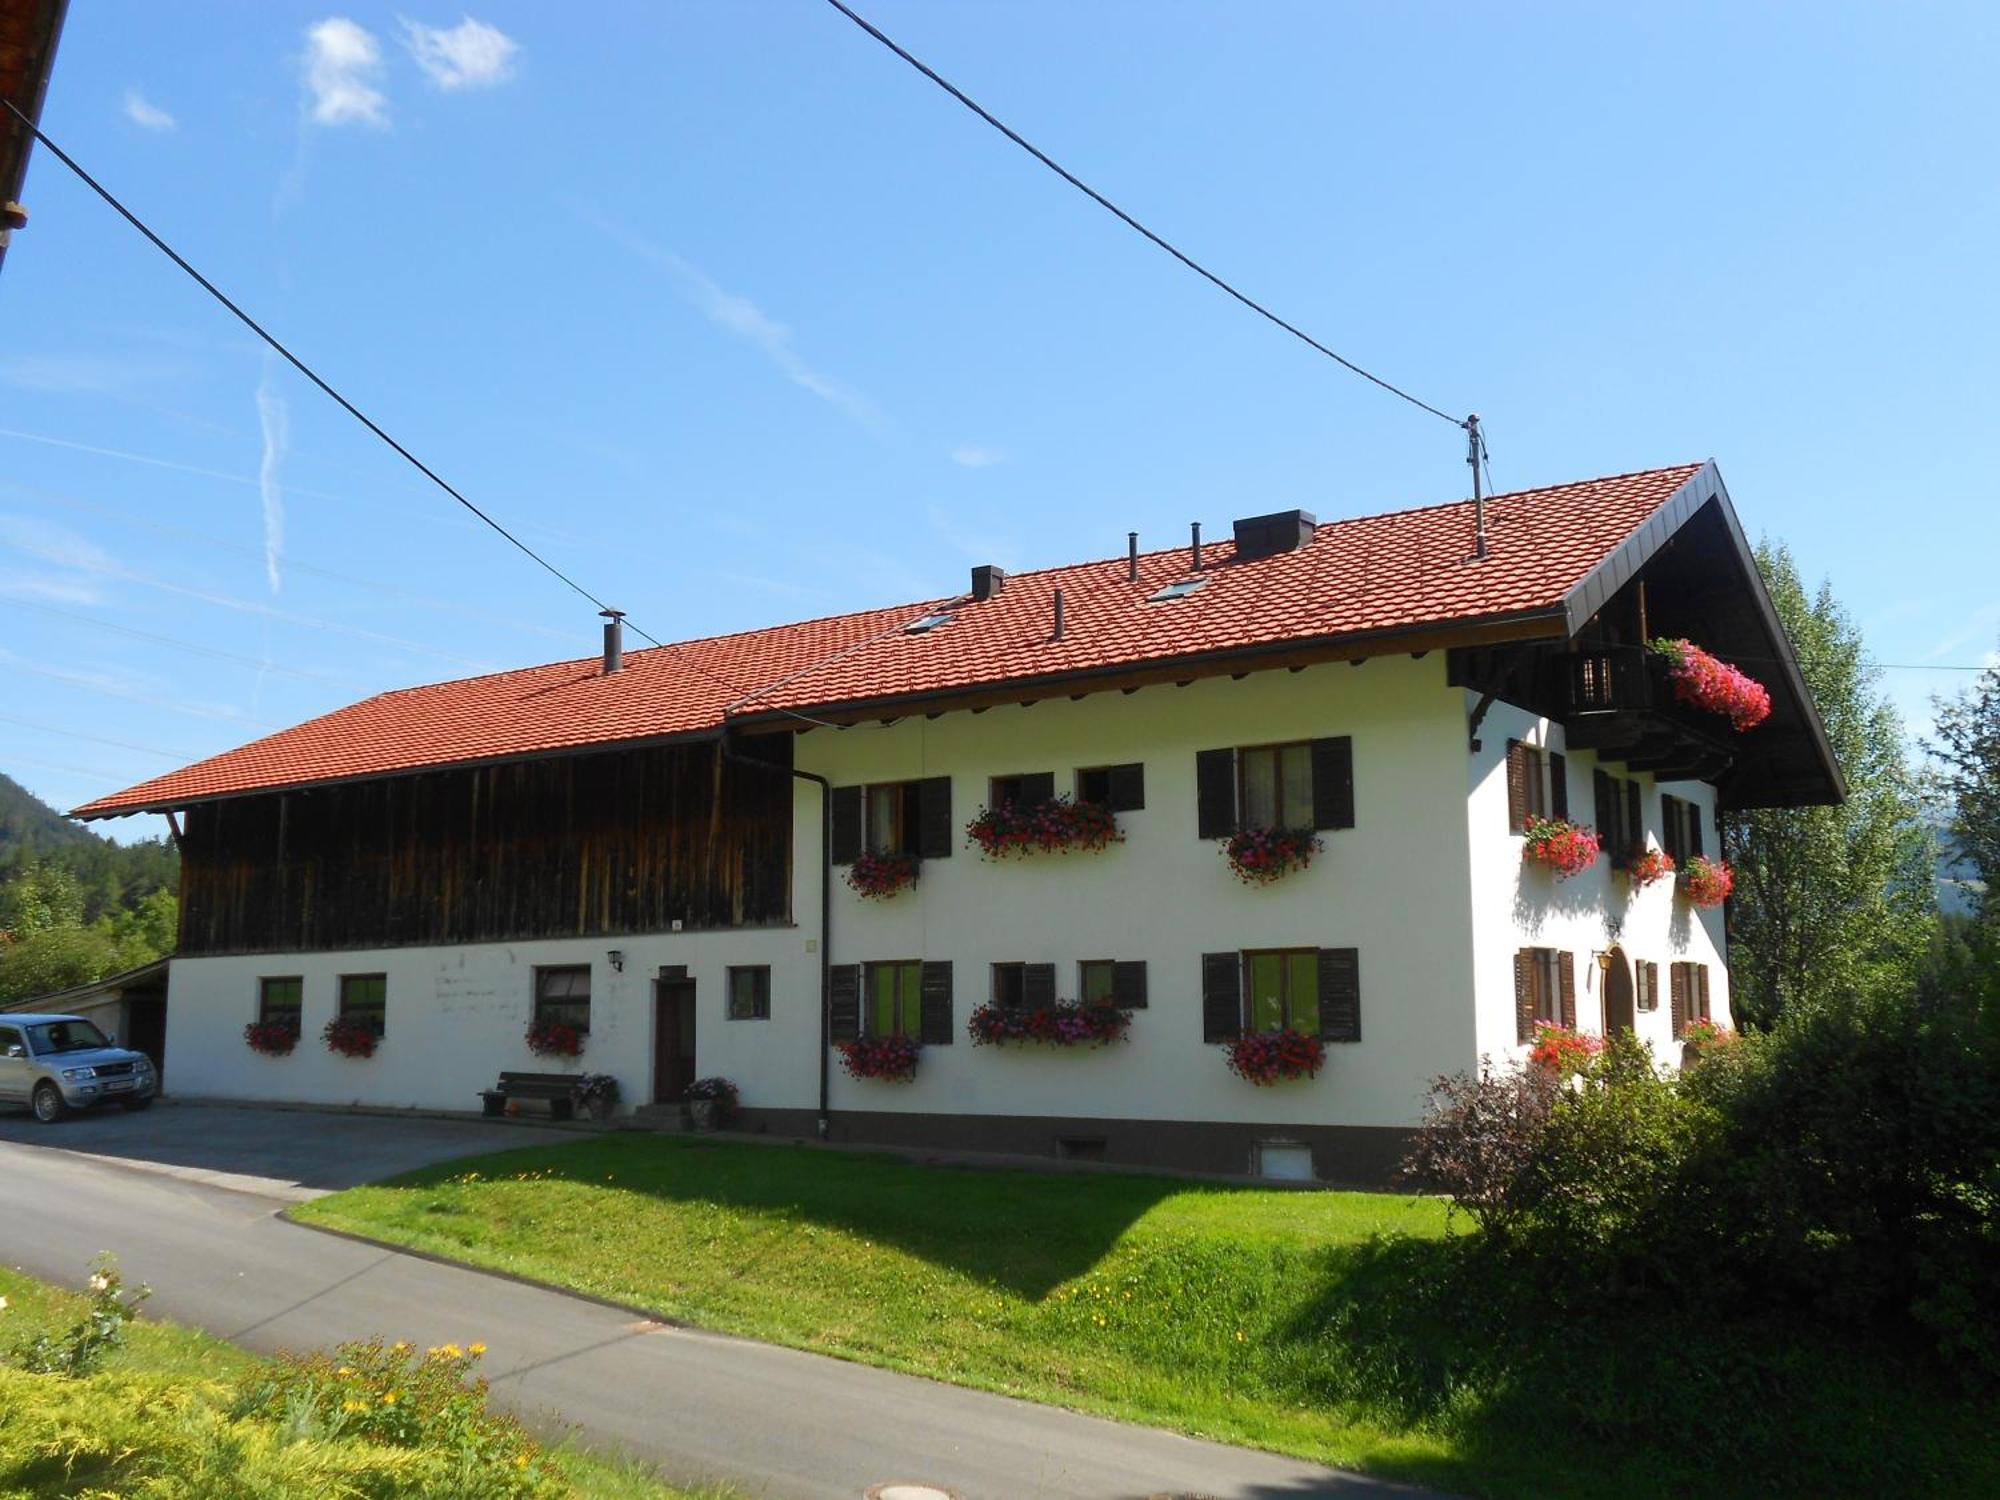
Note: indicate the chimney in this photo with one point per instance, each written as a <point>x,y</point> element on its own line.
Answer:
<point>988,580</point>
<point>1266,536</point>
<point>1131,557</point>
<point>614,640</point>
<point>1059,617</point>
<point>1195,548</point>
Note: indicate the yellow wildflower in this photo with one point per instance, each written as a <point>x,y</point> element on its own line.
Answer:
<point>388,1398</point>
<point>475,1349</point>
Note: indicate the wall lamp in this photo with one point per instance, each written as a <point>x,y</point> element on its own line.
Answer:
<point>617,957</point>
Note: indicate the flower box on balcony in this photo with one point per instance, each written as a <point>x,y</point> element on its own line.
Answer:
<point>1063,1024</point>
<point>1707,882</point>
<point>1262,855</point>
<point>1052,827</point>
<point>1565,847</point>
<point>1713,685</point>
<point>880,876</point>
<point>1268,1057</point>
<point>889,1059</point>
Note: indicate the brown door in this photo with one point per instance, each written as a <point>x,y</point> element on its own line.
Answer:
<point>1618,1009</point>
<point>673,1039</point>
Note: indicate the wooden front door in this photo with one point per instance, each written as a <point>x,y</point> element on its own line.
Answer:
<point>1619,1014</point>
<point>673,1039</point>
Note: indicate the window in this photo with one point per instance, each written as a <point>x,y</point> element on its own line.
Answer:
<point>280,1001</point>
<point>11,1044</point>
<point>896,1000</point>
<point>1537,785</point>
<point>1281,990</point>
<point>894,813</point>
<point>562,997</point>
<point>1175,590</point>
<point>1544,990</point>
<point>1689,983</point>
<point>364,999</point>
<point>1113,788</point>
<point>1680,828</point>
<point>1276,786</point>
<point>1026,790</point>
<point>1309,784</point>
<point>928,623</point>
<point>1010,986</point>
<point>1647,985</point>
<point>1620,817</point>
<point>1097,981</point>
<point>907,818</point>
<point>750,992</point>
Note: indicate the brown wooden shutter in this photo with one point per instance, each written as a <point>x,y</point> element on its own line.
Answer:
<point>936,991</point>
<point>1038,787</point>
<point>1693,811</point>
<point>1604,801</point>
<point>1215,793</point>
<point>843,1002</point>
<point>844,842</point>
<point>1566,968</point>
<point>1127,786</point>
<point>1038,986</point>
<point>1333,782</point>
<point>1128,984</point>
<point>1517,786</point>
<point>1221,997</point>
<point>934,829</point>
<point>1701,990</point>
<point>1339,994</point>
<point>1677,986</point>
<point>1635,821</point>
<point>1524,995</point>
<point>1558,786</point>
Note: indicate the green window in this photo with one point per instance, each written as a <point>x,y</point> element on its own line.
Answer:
<point>896,999</point>
<point>1277,790</point>
<point>1283,990</point>
<point>1099,981</point>
<point>280,999</point>
<point>364,999</point>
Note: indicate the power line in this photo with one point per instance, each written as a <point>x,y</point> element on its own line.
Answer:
<point>1105,203</point>
<point>98,739</point>
<point>212,652</point>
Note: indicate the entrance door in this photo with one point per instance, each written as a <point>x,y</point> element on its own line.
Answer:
<point>673,1039</point>
<point>1619,1014</point>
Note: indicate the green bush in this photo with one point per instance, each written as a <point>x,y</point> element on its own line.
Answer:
<point>77,1350</point>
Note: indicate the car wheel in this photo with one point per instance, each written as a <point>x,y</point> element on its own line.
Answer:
<point>49,1105</point>
<point>135,1105</point>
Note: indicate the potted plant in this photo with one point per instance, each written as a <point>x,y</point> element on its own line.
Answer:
<point>1055,826</point>
<point>595,1094</point>
<point>1063,1024</point>
<point>272,1038</point>
<point>1565,847</point>
<point>711,1102</point>
<point>880,876</point>
<point>349,1038</point>
<point>1707,882</point>
<point>1561,1050</point>
<point>1713,685</point>
<point>1262,855</point>
<point>1701,1037</point>
<point>1268,1057</point>
<point>891,1059</point>
<point>1649,866</point>
<point>554,1039</point>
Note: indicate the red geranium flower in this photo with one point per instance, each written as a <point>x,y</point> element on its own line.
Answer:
<point>880,876</point>
<point>1267,1057</point>
<point>893,1059</point>
<point>1654,864</point>
<point>1707,682</point>
<point>1707,882</point>
<point>1055,826</point>
<point>1565,847</point>
<point>1261,855</point>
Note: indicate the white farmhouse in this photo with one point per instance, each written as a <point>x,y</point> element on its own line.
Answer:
<point>760,856</point>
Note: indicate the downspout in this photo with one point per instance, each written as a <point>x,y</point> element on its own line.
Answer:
<point>825,908</point>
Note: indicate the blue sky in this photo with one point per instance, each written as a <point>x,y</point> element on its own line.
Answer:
<point>739,320</point>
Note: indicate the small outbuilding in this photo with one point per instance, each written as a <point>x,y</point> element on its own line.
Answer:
<point>130,1008</point>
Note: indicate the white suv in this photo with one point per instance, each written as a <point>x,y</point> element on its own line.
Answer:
<point>54,1064</point>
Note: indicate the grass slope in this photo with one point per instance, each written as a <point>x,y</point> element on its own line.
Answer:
<point>1351,1328</point>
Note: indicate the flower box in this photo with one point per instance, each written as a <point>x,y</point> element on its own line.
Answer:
<point>1707,882</point>
<point>1562,1050</point>
<point>596,1093</point>
<point>880,876</point>
<point>1713,685</point>
<point>349,1038</point>
<point>1565,847</point>
<point>1052,827</point>
<point>1061,1025</point>
<point>1703,1036</point>
<point>1268,1057</point>
<point>1262,855</point>
<point>272,1038</point>
<point>554,1039</point>
<point>711,1102</point>
<point>892,1059</point>
<point>1649,866</point>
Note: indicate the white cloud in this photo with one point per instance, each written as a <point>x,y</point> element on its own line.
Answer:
<point>468,55</point>
<point>46,542</point>
<point>343,62</point>
<point>274,420</point>
<point>147,115</point>
<point>48,588</point>
<point>972,456</point>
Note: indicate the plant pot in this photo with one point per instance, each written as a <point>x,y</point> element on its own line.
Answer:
<point>598,1108</point>
<point>703,1114</point>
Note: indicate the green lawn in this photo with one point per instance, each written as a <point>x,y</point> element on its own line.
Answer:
<point>1346,1327</point>
<point>168,1391</point>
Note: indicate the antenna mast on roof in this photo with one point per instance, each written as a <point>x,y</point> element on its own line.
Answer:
<point>1475,450</point>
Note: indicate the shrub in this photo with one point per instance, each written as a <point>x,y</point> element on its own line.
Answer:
<point>77,1350</point>
<point>1479,1132</point>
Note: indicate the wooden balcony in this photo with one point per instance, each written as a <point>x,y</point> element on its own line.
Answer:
<point>1618,701</point>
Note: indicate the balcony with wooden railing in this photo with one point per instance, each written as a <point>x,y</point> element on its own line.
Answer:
<point>1618,701</point>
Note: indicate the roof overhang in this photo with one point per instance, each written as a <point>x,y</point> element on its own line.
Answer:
<point>29,30</point>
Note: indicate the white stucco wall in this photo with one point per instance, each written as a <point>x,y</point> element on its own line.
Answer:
<point>1516,906</point>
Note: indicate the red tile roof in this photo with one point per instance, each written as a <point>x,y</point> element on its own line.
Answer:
<point>1404,570</point>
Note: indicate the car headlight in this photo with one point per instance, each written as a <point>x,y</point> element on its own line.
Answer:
<point>75,1074</point>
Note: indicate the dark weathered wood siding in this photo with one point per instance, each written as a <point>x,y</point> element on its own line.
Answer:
<point>577,846</point>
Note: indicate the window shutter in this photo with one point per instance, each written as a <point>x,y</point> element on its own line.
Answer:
<point>1340,994</point>
<point>1635,821</point>
<point>1693,810</point>
<point>1128,787</point>
<point>936,1023</point>
<point>1333,782</point>
<point>844,843</point>
<point>1649,985</point>
<point>1517,786</point>
<point>1038,788</point>
<point>1221,996</point>
<point>1038,986</point>
<point>1701,990</point>
<point>843,1002</point>
<point>1524,995</point>
<point>1128,984</point>
<point>1558,786</point>
<point>934,830</point>
<point>1215,793</point>
<point>1677,984</point>
<point>1604,798</point>
<point>1566,965</point>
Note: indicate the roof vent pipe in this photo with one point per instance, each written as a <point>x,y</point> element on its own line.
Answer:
<point>1196,547</point>
<point>1131,557</point>
<point>1059,616</point>
<point>614,640</point>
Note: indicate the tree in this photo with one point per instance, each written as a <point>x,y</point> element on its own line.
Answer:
<point>40,898</point>
<point>1830,900</point>
<point>55,960</point>
<point>1967,748</point>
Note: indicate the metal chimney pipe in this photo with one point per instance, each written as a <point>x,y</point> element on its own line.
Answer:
<point>614,640</point>
<point>1196,548</point>
<point>1059,616</point>
<point>1131,557</point>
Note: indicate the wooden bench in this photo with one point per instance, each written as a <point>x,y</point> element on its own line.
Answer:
<point>552,1089</point>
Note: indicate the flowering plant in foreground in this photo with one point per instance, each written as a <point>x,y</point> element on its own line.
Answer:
<point>1261,855</point>
<point>1652,865</point>
<point>1565,847</point>
<point>1055,826</point>
<point>1266,1057</point>
<point>272,1038</point>
<point>1707,882</point>
<point>1561,1049</point>
<point>1060,1025</point>
<point>880,876</point>
<point>555,1039</point>
<point>349,1038</point>
<point>1707,682</point>
<point>1704,1034</point>
<point>893,1059</point>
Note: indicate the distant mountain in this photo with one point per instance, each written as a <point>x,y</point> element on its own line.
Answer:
<point>29,824</point>
<point>114,876</point>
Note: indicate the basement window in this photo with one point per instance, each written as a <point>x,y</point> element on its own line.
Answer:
<point>1282,1161</point>
<point>928,623</point>
<point>1176,590</point>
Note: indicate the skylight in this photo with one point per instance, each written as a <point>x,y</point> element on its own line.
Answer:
<point>1176,590</point>
<point>927,623</point>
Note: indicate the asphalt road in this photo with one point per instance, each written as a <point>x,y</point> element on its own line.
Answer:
<point>205,1234</point>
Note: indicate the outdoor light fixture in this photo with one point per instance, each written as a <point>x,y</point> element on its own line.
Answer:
<point>617,957</point>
